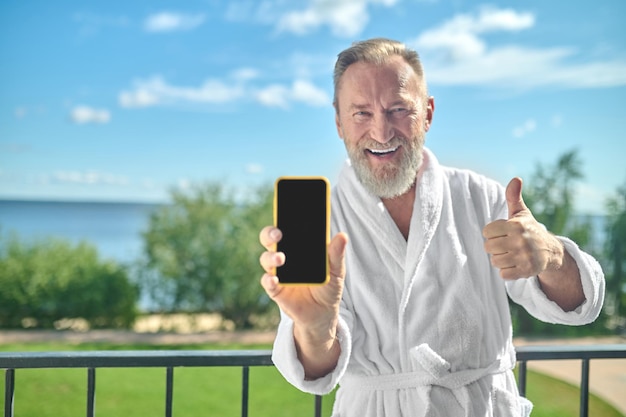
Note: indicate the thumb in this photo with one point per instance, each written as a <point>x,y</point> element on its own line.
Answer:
<point>514,200</point>
<point>336,254</point>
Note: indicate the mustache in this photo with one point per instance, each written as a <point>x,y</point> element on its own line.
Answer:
<point>391,144</point>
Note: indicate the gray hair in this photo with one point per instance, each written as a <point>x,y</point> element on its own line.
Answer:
<point>376,51</point>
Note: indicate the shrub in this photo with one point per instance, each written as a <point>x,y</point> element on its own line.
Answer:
<point>49,280</point>
<point>202,253</point>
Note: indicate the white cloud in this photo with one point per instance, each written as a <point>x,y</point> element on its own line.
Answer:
<point>148,183</point>
<point>306,66</point>
<point>456,53</point>
<point>184,184</point>
<point>85,114</point>
<point>345,18</point>
<point>300,91</point>
<point>527,127</point>
<point>459,36</point>
<point>245,74</point>
<point>20,112</point>
<point>140,97</point>
<point>156,90</point>
<point>274,96</point>
<point>305,92</point>
<point>170,22</point>
<point>556,121</point>
<point>89,178</point>
<point>236,88</point>
<point>254,169</point>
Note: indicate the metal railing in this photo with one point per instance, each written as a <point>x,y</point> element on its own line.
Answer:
<point>92,360</point>
<point>584,353</point>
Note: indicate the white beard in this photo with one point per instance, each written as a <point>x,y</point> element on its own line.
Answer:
<point>392,179</point>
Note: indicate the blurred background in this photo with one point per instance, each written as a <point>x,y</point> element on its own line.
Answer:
<point>139,142</point>
<point>132,126</point>
<point>119,101</point>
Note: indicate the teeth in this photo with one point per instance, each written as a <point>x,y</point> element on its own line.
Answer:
<point>383,151</point>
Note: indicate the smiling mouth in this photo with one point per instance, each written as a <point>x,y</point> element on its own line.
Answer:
<point>383,152</point>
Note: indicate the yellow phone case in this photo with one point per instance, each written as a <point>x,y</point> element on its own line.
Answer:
<point>327,223</point>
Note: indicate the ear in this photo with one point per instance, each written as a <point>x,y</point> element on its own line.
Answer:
<point>430,110</point>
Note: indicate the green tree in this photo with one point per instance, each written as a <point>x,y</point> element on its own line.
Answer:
<point>550,196</point>
<point>615,249</point>
<point>202,252</point>
<point>51,279</point>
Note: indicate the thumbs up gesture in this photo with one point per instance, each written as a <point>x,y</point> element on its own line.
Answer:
<point>520,246</point>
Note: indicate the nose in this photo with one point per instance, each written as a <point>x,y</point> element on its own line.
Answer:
<point>382,128</point>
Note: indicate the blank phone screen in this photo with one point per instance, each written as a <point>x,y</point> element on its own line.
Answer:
<point>302,216</point>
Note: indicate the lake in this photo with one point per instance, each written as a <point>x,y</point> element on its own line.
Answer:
<point>114,228</point>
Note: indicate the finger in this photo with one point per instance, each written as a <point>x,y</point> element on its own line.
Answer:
<point>336,255</point>
<point>503,260</point>
<point>269,236</point>
<point>498,245</point>
<point>506,266</point>
<point>271,285</point>
<point>271,260</point>
<point>497,228</point>
<point>510,273</point>
<point>514,200</point>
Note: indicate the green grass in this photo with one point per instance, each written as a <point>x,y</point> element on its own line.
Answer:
<point>553,397</point>
<point>140,392</point>
<point>211,391</point>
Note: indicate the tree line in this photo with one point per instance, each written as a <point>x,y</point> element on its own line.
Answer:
<point>201,255</point>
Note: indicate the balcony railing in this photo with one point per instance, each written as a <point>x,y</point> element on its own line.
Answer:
<point>92,360</point>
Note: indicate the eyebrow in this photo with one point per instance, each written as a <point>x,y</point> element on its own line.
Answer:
<point>354,106</point>
<point>399,102</point>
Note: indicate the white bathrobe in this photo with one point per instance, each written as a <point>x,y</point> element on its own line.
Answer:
<point>425,327</point>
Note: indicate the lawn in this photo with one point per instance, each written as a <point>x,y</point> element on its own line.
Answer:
<point>211,391</point>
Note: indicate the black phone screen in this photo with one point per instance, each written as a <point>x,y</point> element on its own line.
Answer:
<point>302,213</point>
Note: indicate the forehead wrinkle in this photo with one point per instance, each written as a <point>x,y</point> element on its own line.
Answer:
<point>405,77</point>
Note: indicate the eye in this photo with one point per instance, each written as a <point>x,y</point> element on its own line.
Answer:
<point>399,112</point>
<point>361,115</point>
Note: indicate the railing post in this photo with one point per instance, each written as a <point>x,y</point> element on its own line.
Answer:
<point>521,378</point>
<point>91,392</point>
<point>169,391</point>
<point>584,388</point>
<point>9,392</point>
<point>318,406</point>
<point>244,390</point>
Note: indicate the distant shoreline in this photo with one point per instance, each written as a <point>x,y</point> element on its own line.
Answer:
<point>155,203</point>
<point>86,201</point>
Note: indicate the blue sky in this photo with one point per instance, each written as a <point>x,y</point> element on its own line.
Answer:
<point>123,100</point>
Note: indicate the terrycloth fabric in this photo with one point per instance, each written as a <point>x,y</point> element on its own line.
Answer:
<point>425,328</point>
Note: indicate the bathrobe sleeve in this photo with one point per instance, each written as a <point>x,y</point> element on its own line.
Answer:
<point>286,360</point>
<point>528,293</point>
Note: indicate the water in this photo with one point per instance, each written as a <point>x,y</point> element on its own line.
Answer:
<point>113,228</point>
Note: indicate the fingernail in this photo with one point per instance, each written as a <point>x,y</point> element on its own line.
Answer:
<point>280,258</point>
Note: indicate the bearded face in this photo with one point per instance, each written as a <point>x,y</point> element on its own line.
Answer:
<point>383,116</point>
<point>394,173</point>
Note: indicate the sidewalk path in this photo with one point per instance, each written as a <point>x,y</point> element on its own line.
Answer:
<point>607,377</point>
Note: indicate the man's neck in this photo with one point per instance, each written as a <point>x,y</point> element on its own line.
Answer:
<point>401,209</point>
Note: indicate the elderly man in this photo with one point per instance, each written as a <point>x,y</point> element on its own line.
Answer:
<point>415,320</point>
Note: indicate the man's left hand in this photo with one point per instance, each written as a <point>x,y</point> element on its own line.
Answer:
<point>520,246</point>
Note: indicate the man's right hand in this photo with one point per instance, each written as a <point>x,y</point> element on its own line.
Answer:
<point>314,309</point>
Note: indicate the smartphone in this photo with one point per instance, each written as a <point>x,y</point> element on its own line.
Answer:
<point>302,213</point>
